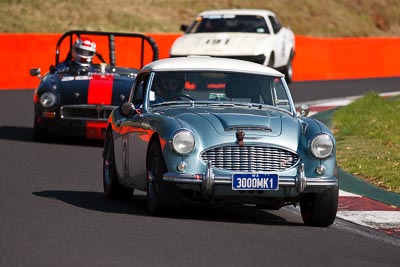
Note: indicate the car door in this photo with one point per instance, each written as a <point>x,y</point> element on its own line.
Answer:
<point>134,145</point>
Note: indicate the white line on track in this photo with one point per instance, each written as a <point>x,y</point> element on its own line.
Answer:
<point>376,219</point>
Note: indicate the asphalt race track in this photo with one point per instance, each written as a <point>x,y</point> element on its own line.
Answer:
<point>319,90</point>
<point>53,212</point>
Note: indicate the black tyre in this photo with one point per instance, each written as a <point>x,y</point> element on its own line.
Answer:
<point>112,188</point>
<point>162,197</point>
<point>319,209</point>
<point>288,70</point>
<point>271,61</point>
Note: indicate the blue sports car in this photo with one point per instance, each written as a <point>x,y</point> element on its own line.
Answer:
<point>222,131</point>
<point>77,94</point>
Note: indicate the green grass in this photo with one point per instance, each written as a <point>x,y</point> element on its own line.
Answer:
<point>368,139</point>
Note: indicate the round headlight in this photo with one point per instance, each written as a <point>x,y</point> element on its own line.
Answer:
<point>48,99</point>
<point>321,146</point>
<point>183,142</point>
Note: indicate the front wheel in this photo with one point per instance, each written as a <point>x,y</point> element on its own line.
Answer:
<point>112,188</point>
<point>271,61</point>
<point>161,196</point>
<point>288,70</point>
<point>319,209</point>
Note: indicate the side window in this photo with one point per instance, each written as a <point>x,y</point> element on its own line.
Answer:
<point>261,25</point>
<point>281,98</point>
<point>139,90</point>
<point>276,25</point>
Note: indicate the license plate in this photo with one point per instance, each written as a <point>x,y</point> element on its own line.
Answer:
<point>255,181</point>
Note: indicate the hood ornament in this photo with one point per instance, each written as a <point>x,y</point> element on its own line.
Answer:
<point>240,137</point>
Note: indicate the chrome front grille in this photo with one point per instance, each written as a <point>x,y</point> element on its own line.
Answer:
<point>86,112</point>
<point>251,158</point>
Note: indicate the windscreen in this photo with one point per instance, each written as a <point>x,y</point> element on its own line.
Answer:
<point>221,87</point>
<point>232,23</point>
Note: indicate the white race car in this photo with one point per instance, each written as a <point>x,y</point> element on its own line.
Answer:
<point>248,34</point>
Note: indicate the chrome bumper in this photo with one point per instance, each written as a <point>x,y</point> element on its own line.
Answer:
<point>208,180</point>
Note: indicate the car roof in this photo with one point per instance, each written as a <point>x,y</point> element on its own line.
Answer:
<point>206,63</point>
<point>258,12</point>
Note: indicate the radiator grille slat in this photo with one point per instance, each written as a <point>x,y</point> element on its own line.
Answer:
<point>251,158</point>
<point>86,112</point>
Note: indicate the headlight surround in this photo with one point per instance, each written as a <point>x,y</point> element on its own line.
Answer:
<point>183,142</point>
<point>48,99</point>
<point>321,146</point>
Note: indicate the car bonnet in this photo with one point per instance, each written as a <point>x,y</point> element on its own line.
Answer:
<point>223,120</point>
<point>95,89</point>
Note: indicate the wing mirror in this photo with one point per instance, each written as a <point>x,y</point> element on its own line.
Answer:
<point>127,109</point>
<point>304,110</point>
<point>35,72</point>
<point>183,27</point>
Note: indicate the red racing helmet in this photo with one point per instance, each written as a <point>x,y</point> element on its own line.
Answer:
<point>83,51</point>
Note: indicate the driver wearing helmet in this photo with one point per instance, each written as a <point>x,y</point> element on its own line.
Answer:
<point>168,86</point>
<point>82,53</point>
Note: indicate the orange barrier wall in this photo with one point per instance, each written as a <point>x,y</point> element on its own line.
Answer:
<point>21,52</point>
<point>316,58</point>
<point>345,58</point>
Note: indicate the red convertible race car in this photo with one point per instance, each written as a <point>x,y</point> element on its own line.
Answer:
<point>75,97</point>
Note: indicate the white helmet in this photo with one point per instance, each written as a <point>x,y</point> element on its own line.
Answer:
<point>83,51</point>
